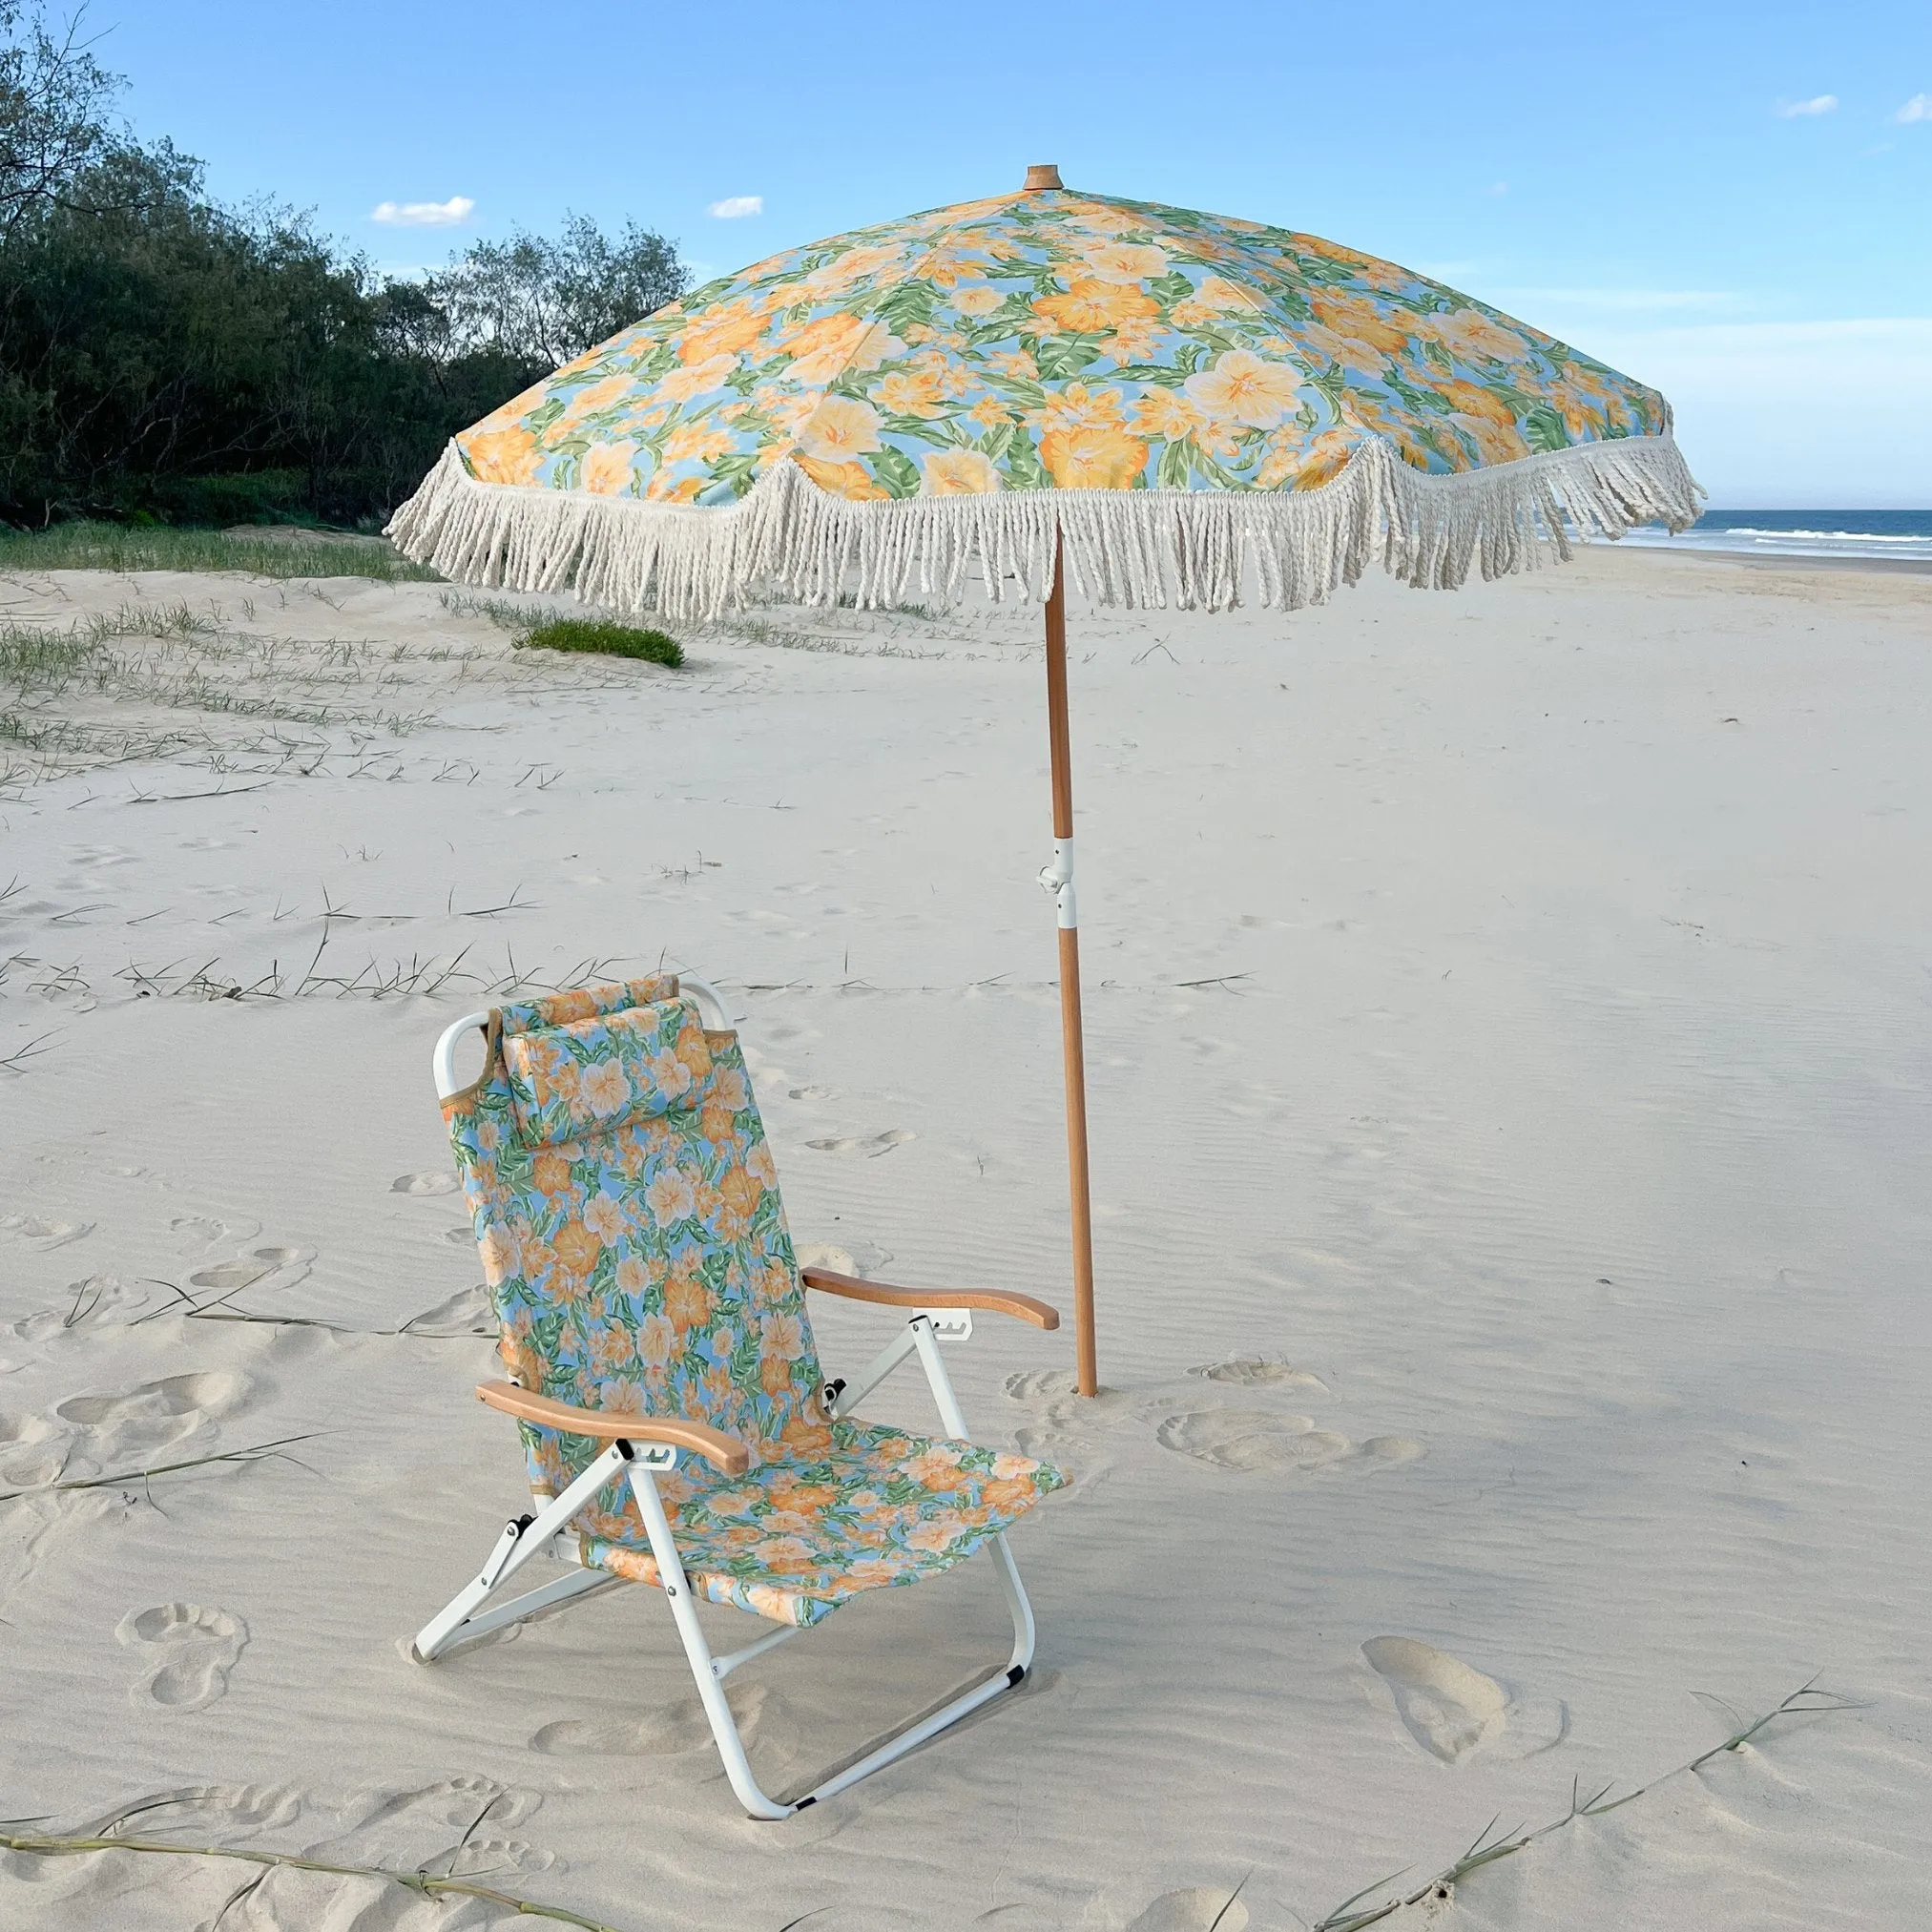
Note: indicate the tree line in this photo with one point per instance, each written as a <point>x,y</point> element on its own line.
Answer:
<point>164,357</point>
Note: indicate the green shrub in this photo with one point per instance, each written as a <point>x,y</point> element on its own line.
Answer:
<point>612,640</point>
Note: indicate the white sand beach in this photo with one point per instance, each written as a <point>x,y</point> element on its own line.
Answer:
<point>1508,1021</point>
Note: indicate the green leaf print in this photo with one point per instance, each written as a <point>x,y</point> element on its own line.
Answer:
<point>1545,429</point>
<point>1024,469</point>
<point>896,470</point>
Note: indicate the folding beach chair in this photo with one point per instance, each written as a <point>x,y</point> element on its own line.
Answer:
<point>675,1425</point>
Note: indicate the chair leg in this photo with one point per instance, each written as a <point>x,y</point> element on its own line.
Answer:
<point>458,1620</point>
<point>710,1672</point>
<point>684,1613</point>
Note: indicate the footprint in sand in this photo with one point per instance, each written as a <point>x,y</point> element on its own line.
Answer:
<point>96,1301</point>
<point>872,1145</point>
<point>27,1459</point>
<point>667,1731</point>
<point>425,1184</point>
<point>205,1812</point>
<point>412,1830</point>
<point>1452,1708</point>
<point>186,1653</point>
<point>1199,1908</point>
<point>1254,1371</point>
<point>1264,1441</point>
<point>42,1232</point>
<point>155,1414</point>
<point>467,1311</point>
<point>813,1092</point>
<point>229,1278</point>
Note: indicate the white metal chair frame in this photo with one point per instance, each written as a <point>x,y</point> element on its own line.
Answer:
<point>640,1463</point>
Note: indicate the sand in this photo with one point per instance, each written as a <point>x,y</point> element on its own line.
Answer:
<point>1508,1021</point>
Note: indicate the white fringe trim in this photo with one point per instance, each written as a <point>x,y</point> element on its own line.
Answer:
<point>1194,549</point>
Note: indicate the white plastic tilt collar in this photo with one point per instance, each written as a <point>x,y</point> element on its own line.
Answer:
<point>1058,879</point>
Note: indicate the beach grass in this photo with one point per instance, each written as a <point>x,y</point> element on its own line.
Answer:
<point>84,545</point>
<point>610,640</point>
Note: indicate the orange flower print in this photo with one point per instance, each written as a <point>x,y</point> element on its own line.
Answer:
<point>838,430</point>
<point>606,1088</point>
<point>633,1278</point>
<point>607,1217</point>
<point>1092,307</point>
<point>1473,337</point>
<point>671,1075</point>
<point>1496,441</point>
<point>599,395</point>
<point>681,385</point>
<point>1291,457</point>
<point>722,332</point>
<point>1360,359</point>
<point>499,1254</point>
<point>500,455</point>
<point>1122,262</point>
<point>1163,415</point>
<point>1092,458</point>
<point>657,1341</point>
<point>1350,315</point>
<point>1135,340</point>
<point>665,487</point>
<point>738,1198</point>
<point>780,1336</point>
<point>687,1302</point>
<point>957,472</point>
<point>829,345</point>
<point>550,1173</point>
<point>1241,387</point>
<point>577,1247</point>
<point>850,480</point>
<point>979,299</point>
<point>1472,398</point>
<point>908,392</point>
<point>697,442</point>
<point>670,1199</point>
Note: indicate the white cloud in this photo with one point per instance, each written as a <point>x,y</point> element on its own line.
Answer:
<point>1918,109</point>
<point>1793,415</point>
<point>1796,110</point>
<point>422,214</point>
<point>735,207</point>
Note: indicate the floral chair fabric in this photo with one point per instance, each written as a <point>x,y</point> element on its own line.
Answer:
<point>636,1249</point>
<point>1053,340</point>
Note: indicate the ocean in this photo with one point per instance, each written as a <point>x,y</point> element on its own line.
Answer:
<point>1904,535</point>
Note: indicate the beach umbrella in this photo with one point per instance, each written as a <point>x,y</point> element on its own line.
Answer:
<point>1162,405</point>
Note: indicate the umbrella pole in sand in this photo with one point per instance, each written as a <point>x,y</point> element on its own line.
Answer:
<point>1058,879</point>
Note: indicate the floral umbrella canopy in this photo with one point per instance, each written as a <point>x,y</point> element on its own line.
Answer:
<point>1177,404</point>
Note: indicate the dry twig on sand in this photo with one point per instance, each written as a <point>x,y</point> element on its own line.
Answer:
<point>1352,1915</point>
<point>255,1452</point>
<point>415,1882</point>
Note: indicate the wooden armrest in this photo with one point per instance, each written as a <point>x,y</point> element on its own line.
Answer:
<point>608,1425</point>
<point>1038,1313</point>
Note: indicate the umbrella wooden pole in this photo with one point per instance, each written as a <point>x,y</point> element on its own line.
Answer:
<point>1060,877</point>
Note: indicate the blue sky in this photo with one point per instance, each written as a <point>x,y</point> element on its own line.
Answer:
<point>1730,201</point>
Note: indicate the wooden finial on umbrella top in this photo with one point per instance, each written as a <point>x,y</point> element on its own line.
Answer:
<point>1042,174</point>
